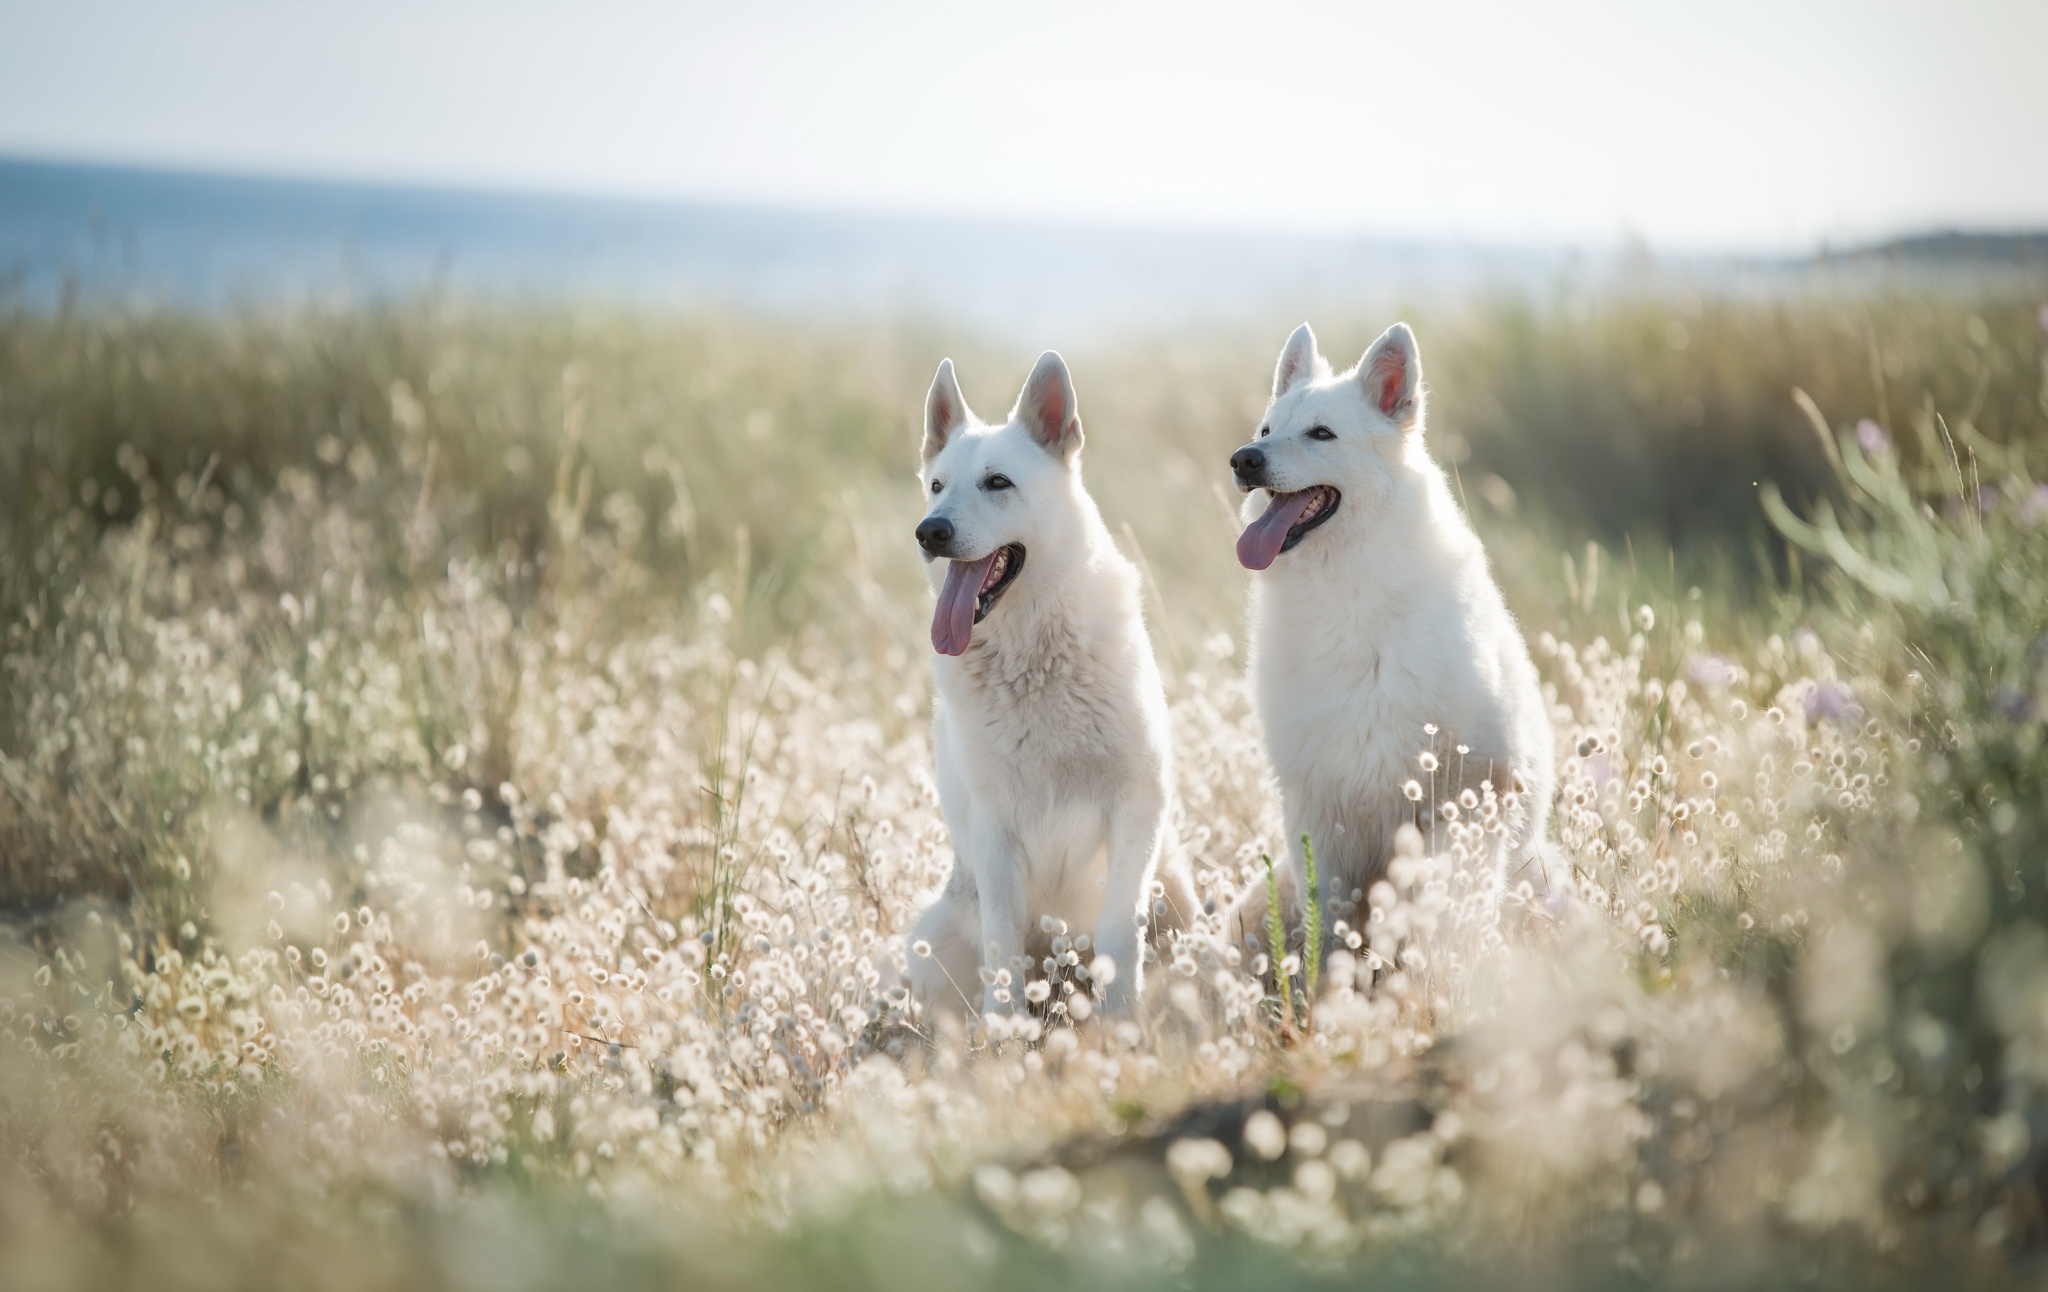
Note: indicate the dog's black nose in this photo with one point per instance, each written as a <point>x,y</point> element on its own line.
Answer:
<point>1248,463</point>
<point>935,534</point>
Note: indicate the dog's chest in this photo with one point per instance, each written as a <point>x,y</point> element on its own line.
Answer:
<point>1345,692</point>
<point>1045,711</point>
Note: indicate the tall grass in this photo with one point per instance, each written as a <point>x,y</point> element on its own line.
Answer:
<point>463,784</point>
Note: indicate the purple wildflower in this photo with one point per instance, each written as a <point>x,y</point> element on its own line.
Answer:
<point>2034,507</point>
<point>1832,700</point>
<point>2010,702</point>
<point>1601,768</point>
<point>1872,438</point>
<point>1713,670</point>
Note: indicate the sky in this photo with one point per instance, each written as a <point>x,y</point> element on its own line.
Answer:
<point>1734,125</point>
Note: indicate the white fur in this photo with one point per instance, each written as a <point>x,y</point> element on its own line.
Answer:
<point>1050,732</point>
<point>1381,620</point>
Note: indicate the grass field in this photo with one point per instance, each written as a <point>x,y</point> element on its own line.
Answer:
<point>464,780</point>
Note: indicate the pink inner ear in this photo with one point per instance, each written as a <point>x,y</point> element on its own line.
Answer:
<point>1052,415</point>
<point>941,414</point>
<point>1297,363</point>
<point>1387,372</point>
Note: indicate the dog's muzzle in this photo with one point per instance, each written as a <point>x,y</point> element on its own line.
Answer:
<point>1248,464</point>
<point>935,535</point>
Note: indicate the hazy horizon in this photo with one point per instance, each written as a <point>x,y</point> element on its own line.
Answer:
<point>111,234</point>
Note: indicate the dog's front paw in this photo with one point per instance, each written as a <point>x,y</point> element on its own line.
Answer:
<point>1120,1001</point>
<point>1115,982</point>
<point>997,999</point>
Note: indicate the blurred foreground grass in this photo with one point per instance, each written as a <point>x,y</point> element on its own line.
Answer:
<point>463,782</point>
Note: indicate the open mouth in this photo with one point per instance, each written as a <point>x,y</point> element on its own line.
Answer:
<point>971,590</point>
<point>1002,572</point>
<point>1287,520</point>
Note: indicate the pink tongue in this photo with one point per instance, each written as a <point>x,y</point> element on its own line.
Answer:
<point>1263,538</point>
<point>953,617</point>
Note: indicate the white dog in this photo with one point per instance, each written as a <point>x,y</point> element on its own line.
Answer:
<point>1050,728</point>
<point>1374,623</point>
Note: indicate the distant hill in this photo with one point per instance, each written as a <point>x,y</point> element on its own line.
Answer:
<point>1952,247</point>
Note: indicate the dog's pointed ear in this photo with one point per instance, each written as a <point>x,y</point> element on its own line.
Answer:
<point>1391,375</point>
<point>945,410</point>
<point>1047,408</point>
<point>1298,360</point>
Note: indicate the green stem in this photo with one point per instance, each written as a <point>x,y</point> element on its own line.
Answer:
<point>1276,942</point>
<point>1312,938</point>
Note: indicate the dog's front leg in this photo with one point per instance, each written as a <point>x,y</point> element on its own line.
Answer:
<point>1001,881</point>
<point>1137,827</point>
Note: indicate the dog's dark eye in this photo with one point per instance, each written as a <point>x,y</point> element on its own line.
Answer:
<point>1321,433</point>
<point>936,486</point>
<point>996,482</point>
<point>1264,431</point>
